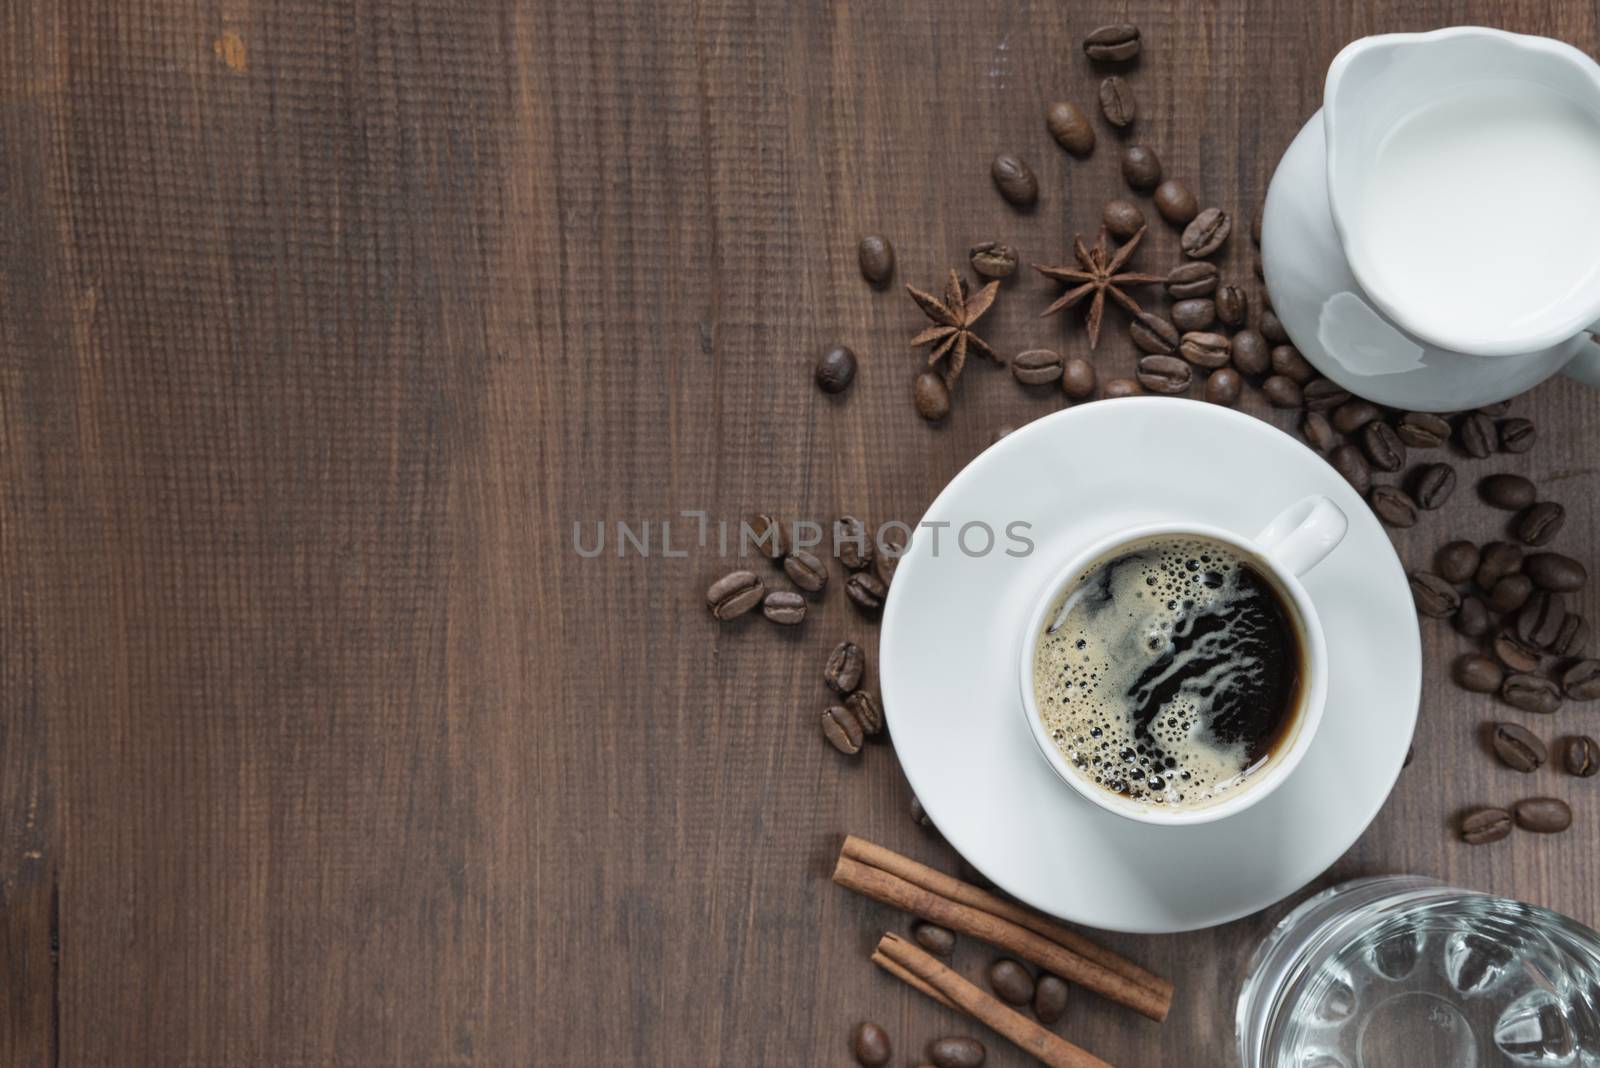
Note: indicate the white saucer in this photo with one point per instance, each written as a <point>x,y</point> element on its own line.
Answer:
<point>948,666</point>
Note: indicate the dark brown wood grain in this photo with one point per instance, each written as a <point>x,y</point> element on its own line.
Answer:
<point>320,327</point>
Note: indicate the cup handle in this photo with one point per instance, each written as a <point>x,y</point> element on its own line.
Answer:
<point>1585,366</point>
<point>1301,535</point>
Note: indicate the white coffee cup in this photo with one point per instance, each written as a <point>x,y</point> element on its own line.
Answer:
<point>1298,539</point>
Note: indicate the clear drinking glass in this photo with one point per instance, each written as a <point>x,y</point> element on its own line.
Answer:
<point>1405,972</point>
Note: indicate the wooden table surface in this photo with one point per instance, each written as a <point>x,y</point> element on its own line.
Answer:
<point>321,325</point>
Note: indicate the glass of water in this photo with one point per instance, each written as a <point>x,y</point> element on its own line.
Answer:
<point>1405,972</point>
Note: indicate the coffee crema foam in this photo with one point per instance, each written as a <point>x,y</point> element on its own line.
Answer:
<point>1169,671</point>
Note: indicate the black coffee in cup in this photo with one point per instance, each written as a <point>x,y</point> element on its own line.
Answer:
<point>1170,670</point>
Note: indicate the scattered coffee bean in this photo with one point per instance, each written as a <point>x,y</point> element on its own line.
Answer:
<point>1205,349</point>
<point>1318,432</point>
<point>875,255</point>
<point>1510,492</point>
<point>1233,306</point>
<point>1580,754</point>
<point>1352,415</point>
<point>866,591</point>
<point>843,670</point>
<point>1164,374</point>
<point>1077,378</point>
<point>1197,278</point>
<point>785,607</point>
<point>1393,505</point>
<point>1539,621</point>
<point>1497,560</point>
<point>1554,571</point>
<point>1123,218</point>
<point>940,941</point>
<point>1251,353</point>
<point>1117,103</point>
<point>734,594</point>
<point>767,534</point>
<point>1121,387</point>
<point>919,815</point>
<point>1011,981</point>
<point>956,1052</point>
<point>871,1045</point>
<point>806,570</point>
<point>1175,203</point>
<point>1456,561</point>
<point>1434,596</point>
<point>1478,673</point>
<point>842,729</point>
<point>1050,998</point>
<point>1206,233</point>
<point>1517,435</point>
<point>1472,618</point>
<point>1515,653</point>
<point>891,547</point>
<point>1573,637</point>
<point>836,369</point>
<point>1581,681</point>
<point>1510,593</point>
<point>1348,461</point>
<point>1383,446</point>
<point>1517,747</point>
<point>1282,392</point>
<point>867,711</point>
<point>1223,386</point>
<point>1477,435</point>
<point>1543,815</point>
<point>1141,168</point>
<point>1194,314</point>
<point>1286,360</point>
<point>1485,825</point>
<point>1531,693</point>
<point>1435,484</point>
<point>1153,334</point>
<point>932,397</point>
<point>1272,327</point>
<point>993,260</point>
<point>1111,44</point>
<point>1539,523</point>
<point>1423,430</point>
<point>1015,180</point>
<point>1323,394</point>
<point>1036,367</point>
<point>1070,127</point>
<point>852,542</point>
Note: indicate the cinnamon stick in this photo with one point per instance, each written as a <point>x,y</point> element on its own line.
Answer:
<point>890,889</point>
<point>911,979</point>
<point>949,886</point>
<point>1032,1038</point>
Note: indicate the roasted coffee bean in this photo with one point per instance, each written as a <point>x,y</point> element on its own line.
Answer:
<point>1456,561</point>
<point>1352,415</point>
<point>1435,484</point>
<point>1164,374</point>
<point>734,594</point>
<point>852,542</point>
<point>1223,386</point>
<point>940,941</point>
<point>866,591</point>
<point>1011,981</point>
<point>956,1052</point>
<point>1472,618</point>
<point>1478,673</point>
<point>1251,353</point>
<point>1015,180</point>
<point>1194,314</point>
<point>1516,435</point>
<point>1517,747</point>
<point>785,607</point>
<point>919,815</point>
<point>1581,681</point>
<point>1036,367</point>
<point>1231,305</point>
<point>767,535</point>
<point>932,396</point>
<point>842,729</point>
<point>1348,461</point>
<point>1123,218</point>
<point>871,1045</point>
<point>1206,233</point>
<point>1511,492</point>
<point>843,670</point>
<point>1393,505</point>
<point>1539,523</point>
<point>1572,638</point>
<point>1070,127</point>
<point>875,255</point>
<point>836,369</point>
<point>1477,435</point>
<point>1272,327</point>
<point>1423,430</point>
<point>1515,653</point>
<point>1531,693</point>
<point>1510,593</point>
<point>1282,392</point>
<point>1287,361</point>
<point>1205,349</point>
<point>1153,334</point>
<point>993,260</point>
<point>1383,446</point>
<point>1318,432</point>
<point>1485,825</point>
<point>1121,387</point>
<point>1196,278</point>
<point>1141,168</point>
<point>1539,621</point>
<point>1554,571</point>
<point>1323,394</point>
<point>1077,378</point>
<point>806,570</point>
<point>1118,105</point>
<point>1175,203</point>
<point>1543,815</point>
<point>1111,44</point>
<point>1434,596</point>
<point>1050,998</point>
<point>1497,560</point>
<point>890,548</point>
<point>1581,756</point>
<point>867,711</point>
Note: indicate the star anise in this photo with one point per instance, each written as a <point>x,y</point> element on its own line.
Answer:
<point>1097,273</point>
<point>953,319</point>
